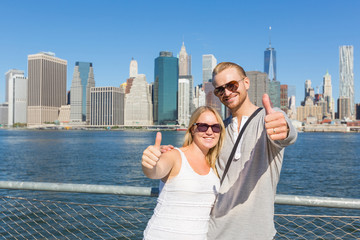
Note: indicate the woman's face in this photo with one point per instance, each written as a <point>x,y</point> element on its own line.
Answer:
<point>204,136</point>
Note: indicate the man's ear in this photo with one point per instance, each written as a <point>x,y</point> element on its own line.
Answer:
<point>247,83</point>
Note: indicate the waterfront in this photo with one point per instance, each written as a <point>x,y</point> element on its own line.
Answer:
<point>318,164</point>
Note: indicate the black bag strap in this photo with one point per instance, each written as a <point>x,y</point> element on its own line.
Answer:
<point>237,143</point>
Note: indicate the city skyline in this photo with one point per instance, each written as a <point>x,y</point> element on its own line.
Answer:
<point>305,35</point>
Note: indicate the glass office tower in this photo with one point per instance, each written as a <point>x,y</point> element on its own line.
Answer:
<point>166,89</point>
<point>270,62</point>
<point>83,80</point>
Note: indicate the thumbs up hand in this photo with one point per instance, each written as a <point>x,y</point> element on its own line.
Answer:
<point>275,123</point>
<point>152,154</point>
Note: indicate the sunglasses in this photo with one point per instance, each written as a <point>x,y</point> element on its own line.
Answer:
<point>203,127</point>
<point>231,86</point>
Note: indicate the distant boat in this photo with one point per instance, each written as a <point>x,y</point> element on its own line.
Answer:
<point>181,129</point>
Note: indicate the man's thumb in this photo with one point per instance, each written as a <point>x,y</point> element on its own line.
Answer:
<point>158,139</point>
<point>267,104</point>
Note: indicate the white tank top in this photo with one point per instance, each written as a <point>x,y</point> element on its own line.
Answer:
<point>184,205</point>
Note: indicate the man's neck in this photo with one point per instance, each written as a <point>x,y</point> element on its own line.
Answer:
<point>246,109</point>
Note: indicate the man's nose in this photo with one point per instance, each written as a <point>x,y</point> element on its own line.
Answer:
<point>227,92</point>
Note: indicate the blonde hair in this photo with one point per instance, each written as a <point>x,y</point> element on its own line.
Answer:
<point>226,65</point>
<point>213,153</point>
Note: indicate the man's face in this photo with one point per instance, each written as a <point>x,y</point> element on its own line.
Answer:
<point>232,99</point>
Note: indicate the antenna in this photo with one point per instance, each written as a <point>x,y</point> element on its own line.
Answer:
<point>270,37</point>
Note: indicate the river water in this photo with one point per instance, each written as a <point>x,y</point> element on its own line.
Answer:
<point>318,164</point>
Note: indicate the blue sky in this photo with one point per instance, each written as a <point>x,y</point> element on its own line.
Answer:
<point>305,34</point>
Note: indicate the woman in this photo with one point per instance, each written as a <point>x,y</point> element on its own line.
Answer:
<point>188,179</point>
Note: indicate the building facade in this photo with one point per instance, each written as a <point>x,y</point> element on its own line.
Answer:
<point>309,110</point>
<point>83,80</point>
<point>184,62</point>
<point>344,108</point>
<point>327,93</point>
<point>208,64</point>
<point>212,100</point>
<point>3,114</point>
<point>199,96</point>
<point>9,75</point>
<point>259,84</point>
<point>106,106</point>
<point>46,87</point>
<point>133,69</point>
<point>346,66</point>
<point>284,98</point>
<point>138,104</point>
<point>165,89</point>
<point>185,73</point>
<point>17,96</point>
<point>357,110</point>
<point>274,93</point>
<point>184,101</point>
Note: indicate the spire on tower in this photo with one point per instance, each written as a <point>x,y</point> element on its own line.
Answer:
<point>270,37</point>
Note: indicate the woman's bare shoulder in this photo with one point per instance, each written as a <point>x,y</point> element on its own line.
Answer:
<point>172,154</point>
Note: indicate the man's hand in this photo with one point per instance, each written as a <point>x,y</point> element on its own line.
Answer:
<point>152,154</point>
<point>275,123</point>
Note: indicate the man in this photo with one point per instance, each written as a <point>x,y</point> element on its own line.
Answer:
<point>244,208</point>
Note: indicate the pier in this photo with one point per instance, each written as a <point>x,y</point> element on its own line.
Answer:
<point>25,218</point>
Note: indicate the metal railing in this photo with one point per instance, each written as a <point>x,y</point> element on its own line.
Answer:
<point>23,218</point>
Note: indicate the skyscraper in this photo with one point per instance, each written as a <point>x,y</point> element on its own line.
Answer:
<point>3,114</point>
<point>185,77</point>
<point>270,61</point>
<point>83,80</point>
<point>17,96</point>
<point>284,99</point>
<point>199,96</point>
<point>259,84</point>
<point>106,105</point>
<point>184,101</point>
<point>344,111</point>
<point>212,100</point>
<point>138,108</point>
<point>208,64</point>
<point>292,101</point>
<point>184,62</point>
<point>166,89</point>
<point>309,92</point>
<point>138,105</point>
<point>133,72</point>
<point>346,62</point>
<point>270,69</point>
<point>46,87</point>
<point>327,91</point>
<point>274,93</point>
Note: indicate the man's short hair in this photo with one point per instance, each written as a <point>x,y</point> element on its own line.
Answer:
<point>226,65</point>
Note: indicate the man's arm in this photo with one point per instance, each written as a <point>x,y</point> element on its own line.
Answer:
<point>278,127</point>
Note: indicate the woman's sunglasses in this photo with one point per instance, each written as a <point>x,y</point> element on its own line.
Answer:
<point>203,127</point>
<point>231,86</point>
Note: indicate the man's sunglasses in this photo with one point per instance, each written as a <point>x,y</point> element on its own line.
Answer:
<point>231,86</point>
<point>203,127</point>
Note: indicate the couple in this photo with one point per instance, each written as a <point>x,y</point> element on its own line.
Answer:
<point>193,204</point>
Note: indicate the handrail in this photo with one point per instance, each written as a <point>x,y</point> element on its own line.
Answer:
<point>331,202</point>
<point>80,188</point>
